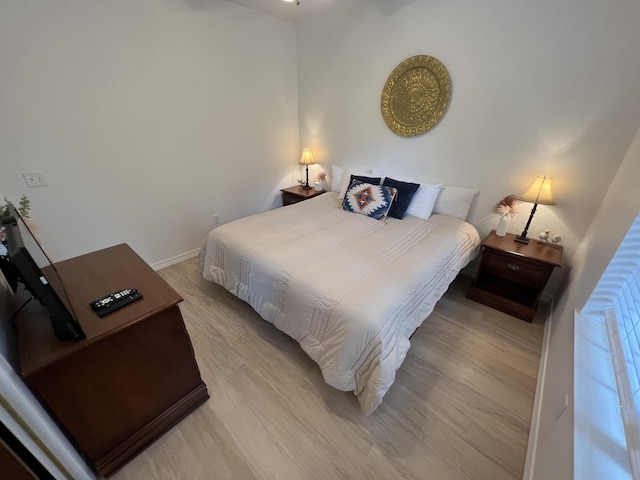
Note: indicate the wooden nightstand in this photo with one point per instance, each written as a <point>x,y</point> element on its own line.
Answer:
<point>513,275</point>
<point>298,194</point>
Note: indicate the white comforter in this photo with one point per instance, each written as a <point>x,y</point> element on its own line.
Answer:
<point>351,290</point>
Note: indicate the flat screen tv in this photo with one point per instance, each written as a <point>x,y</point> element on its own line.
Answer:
<point>19,267</point>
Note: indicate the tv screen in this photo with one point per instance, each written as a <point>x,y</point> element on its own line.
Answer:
<point>19,266</point>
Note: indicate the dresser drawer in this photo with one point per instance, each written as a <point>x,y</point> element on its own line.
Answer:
<point>515,269</point>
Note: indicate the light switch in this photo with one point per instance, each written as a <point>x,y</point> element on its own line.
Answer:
<point>34,179</point>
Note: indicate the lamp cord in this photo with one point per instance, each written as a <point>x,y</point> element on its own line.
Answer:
<point>15,314</point>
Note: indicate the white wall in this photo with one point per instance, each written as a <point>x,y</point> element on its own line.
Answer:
<point>548,87</point>
<point>618,209</point>
<point>538,88</point>
<point>147,117</point>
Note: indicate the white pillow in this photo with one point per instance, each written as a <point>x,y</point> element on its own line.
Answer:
<point>454,201</point>
<point>383,173</point>
<point>423,202</point>
<point>336,178</point>
<point>346,176</point>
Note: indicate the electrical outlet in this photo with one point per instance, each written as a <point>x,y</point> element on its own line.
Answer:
<point>34,179</point>
<point>216,219</point>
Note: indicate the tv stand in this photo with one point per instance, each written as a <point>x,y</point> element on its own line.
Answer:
<point>131,379</point>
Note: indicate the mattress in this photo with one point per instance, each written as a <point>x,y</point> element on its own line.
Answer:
<point>349,289</point>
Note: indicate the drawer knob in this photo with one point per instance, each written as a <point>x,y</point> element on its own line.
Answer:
<point>513,266</point>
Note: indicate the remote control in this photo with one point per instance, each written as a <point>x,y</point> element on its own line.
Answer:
<point>119,303</point>
<point>104,302</point>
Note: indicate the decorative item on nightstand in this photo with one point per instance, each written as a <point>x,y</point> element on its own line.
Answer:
<point>306,159</point>
<point>506,208</point>
<point>544,235</point>
<point>539,194</point>
<point>318,184</point>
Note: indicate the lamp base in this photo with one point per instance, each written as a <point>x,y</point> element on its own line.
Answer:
<point>306,185</point>
<point>521,239</point>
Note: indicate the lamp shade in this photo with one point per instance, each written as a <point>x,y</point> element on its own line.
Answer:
<point>306,158</point>
<point>539,192</point>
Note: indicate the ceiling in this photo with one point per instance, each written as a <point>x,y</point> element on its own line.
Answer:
<point>291,12</point>
<point>288,11</point>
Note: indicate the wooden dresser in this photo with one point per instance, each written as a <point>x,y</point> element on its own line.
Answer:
<point>131,379</point>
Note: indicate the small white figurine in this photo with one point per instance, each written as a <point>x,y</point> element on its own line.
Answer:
<point>556,239</point>
<point>544,235</point>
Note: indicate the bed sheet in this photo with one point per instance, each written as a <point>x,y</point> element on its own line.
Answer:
<point>350,289</point>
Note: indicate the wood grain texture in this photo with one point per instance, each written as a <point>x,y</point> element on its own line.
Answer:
<point>298,194</point>
<point>534,251</point>
<point>460,407</point>
<point>134,376</point>
<point>512,275</point>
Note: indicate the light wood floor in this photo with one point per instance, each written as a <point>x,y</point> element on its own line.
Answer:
<point>460,407</point>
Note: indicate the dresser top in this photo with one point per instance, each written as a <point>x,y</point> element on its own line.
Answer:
<point>85,279</point>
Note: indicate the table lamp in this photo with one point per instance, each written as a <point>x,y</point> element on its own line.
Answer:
<point>307,159</point>
<point>539,194</point>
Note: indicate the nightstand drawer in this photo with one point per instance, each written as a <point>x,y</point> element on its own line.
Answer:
<point>515,269</point>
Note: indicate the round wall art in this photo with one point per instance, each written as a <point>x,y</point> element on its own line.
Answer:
<point>415,96</point>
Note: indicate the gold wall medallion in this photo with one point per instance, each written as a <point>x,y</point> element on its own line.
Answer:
<point>415,96</point>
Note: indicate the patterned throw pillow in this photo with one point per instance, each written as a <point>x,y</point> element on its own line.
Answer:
<point>371,200</point>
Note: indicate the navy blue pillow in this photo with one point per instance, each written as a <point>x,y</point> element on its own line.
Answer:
<point>406,191</point>
<point>363,179</point>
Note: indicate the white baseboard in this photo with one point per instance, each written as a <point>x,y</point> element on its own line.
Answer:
<point>173,260</point>
<point>537,402</point>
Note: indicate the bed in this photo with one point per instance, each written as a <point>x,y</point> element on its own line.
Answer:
<point>351,290</point>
